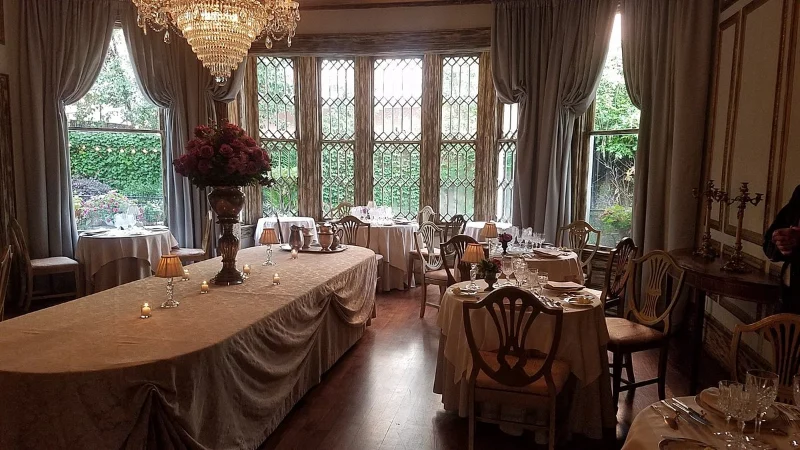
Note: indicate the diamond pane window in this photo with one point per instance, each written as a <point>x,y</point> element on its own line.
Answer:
<point>506,161</point>
<point>397,117</point>
<point>337,123</point>
<point>277,122</point>
<point>459,135</point>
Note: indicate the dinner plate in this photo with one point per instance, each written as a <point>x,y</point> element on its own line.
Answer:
<point>682,444</point>
<point>579,301</point>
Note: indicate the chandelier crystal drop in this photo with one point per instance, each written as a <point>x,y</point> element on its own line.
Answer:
<point>220,32</point>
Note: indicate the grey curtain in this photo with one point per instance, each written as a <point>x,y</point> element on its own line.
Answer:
<point>667,48</point>
<point>172,77</point>
<point>62,47</point>
<point>547,56</point>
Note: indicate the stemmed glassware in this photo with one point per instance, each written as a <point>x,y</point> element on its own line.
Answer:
<point>724,405</point>
<point>520,271</point>
<point>765,386</point>
<point>507,268</point>
<point>743,407</point>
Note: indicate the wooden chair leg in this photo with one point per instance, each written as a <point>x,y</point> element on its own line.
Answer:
<point>79,283</point>
<point>629,368</point>
<point>662,372</point>
<point>29,293</point>
<point>410,269</point>
<point>424,299</point>
<point>616,378</point>
<point>551,440</point>
<point>471,418</point>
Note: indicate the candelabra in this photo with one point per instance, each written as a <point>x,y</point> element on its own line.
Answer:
<point>709,196</point>
<point>736,263</point>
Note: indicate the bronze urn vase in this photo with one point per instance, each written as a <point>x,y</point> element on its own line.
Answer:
<point>227,202</point>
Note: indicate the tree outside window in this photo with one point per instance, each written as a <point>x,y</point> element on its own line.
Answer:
<point>115,147</point>
<point>613,137</point>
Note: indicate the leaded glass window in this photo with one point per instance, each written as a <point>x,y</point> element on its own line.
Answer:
<point>277,117</point>
<point>506,162</point>
<point>337,126</point>
<point>397,109</point>
<point>459,115</point>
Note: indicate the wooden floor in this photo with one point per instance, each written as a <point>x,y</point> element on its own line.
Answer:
<point>380,394</point>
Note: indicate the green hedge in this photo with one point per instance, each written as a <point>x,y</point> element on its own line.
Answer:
<point>128,162</point>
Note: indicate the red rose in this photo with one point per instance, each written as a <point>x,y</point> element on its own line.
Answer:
<point>207,151</point>
<point>250,142</point>
<point>233,165</point>
<point>204,166</point>
<point>252,168</point>
<point>194,144</point>
<point>202,131</point>
<point>226,150</point>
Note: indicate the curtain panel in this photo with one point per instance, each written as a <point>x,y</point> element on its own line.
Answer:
<point>63,44</point>
<point>172,77</point>
<point>667,48</point>
<point>547,55</point>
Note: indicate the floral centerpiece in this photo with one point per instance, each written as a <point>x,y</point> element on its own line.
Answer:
<point>490,268</point>
<point>225,158</point>
<point>504,239</point>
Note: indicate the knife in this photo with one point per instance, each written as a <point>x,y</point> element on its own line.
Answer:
<point>691,412</point>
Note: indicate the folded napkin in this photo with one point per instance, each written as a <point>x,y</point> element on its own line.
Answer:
<point>707,399</point>
<point>564,285</point>
<point>547,252</point>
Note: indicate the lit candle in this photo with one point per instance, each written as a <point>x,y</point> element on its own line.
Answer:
<point>276,280</point>
<point>145,311</point>
<point>294,253</point>
<point>185,274</point>
<point>204,287</point>
<point>246,270</point>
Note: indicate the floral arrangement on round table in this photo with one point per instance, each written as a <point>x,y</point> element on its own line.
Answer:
<point>225,158</point>
<point>490,268</point>
<point>504,239</point>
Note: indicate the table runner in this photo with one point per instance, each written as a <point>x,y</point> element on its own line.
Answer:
<point>220,371</point>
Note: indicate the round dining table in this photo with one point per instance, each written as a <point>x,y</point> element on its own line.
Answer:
<point>473,229</point>
<point>286,226</point>
<point>582,345</point>
<point>395,242</point>
<point>114,257</point>
<point>649,428</point>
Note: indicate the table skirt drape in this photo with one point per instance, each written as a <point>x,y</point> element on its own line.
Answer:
<point>219,372</point>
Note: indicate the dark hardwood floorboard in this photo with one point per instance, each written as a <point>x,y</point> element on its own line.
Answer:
<point>379,396</point>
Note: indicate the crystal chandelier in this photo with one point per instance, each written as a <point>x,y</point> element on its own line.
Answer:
<point>220,32</point>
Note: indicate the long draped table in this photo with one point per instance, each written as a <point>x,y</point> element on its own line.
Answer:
<point>220,371</point>
<point>583,345</point>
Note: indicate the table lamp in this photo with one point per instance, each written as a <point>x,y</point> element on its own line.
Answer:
<point>169,267</point>
<point>268,237</point>
<point>489,232</point>
<point>473,254</point>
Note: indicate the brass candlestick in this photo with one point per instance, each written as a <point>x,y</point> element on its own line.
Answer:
<point>710,195</point>
<point>736,263</point>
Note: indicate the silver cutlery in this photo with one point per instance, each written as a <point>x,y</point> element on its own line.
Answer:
<point>688,440</point>
<point>670,421</point>
<point>694,415</point>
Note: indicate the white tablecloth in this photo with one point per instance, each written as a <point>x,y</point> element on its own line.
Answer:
<point>395,243</point>
<point>563,268</point>
<point>583,345</point>
<point>473,229</point>
<point>117,257</point>
<point>286,226</point>
<point>219,372</point>
<point>648,427</point>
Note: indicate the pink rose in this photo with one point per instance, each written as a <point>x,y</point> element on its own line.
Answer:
<point>207,151</point>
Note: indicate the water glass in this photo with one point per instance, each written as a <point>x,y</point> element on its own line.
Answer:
<point>507,268</point>
<point>724,405</point>
<point>765,386</point>
<point>743,408</point>
<point>520,271</point>
<point>543,278</point>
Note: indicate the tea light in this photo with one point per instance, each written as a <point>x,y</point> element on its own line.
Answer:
<point>276,280</point>
<point>294,253</point>
<point>185,275</point>
<point>204,287</point>
<point>246,270</point>
<point>145,313</point>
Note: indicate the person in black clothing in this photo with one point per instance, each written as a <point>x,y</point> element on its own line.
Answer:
<point>782,243</point>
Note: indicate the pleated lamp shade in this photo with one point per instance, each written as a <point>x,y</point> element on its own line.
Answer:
<point>169,267</point>
<point>473,254</point>
<point>489,230</point>
<point>268,237</point>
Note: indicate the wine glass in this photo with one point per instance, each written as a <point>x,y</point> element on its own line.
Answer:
<point>520,271</point>
<point>543,279</point>
<point>724,405</point>
<point>507,268</point>
<point>743,408</point>
<point>533,281</point>
<point>765,386</point>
